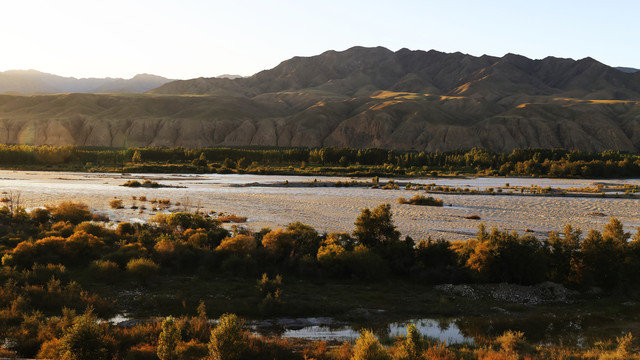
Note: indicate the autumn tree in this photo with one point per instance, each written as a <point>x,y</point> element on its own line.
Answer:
<point>368,347</point>
<point>137,157</point>
<point>228,341</point>
<point>168,340</point>
<point>84,340</point>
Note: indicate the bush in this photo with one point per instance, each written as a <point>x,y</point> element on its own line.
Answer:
<point>142,269</point>
<point>105,270</point>
<point>125,229</point>
<point>40,216</point>
<point>239,244</point>
<point>421,200</point>
<point>74,212</point>
<point>512,342</point>
<point>279,242</point>
<point>142,352</point>
<point>192,350</point>
<point>116,204</point>
<point>368,347</point>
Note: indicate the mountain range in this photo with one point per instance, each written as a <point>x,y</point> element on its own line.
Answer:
<point>360,97</point>
<point>33,82</point>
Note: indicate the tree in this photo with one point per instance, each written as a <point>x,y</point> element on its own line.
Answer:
<point>168,340</point>
<point>412,346</point>
<point>614,231</point>
<point>137,157</point>
<point>280,242</point>
<point>375,227</point>
<point>306,238</point>
<point>200,161</point>
<point>228,340</point>
<point>84,340</point>
<point>601,259</point>
<point>239,244</point>
<point>562,250</point>
<point>368,347</point>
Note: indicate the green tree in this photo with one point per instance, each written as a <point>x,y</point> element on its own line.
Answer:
<point>375,227</point>
<point>168,340</point>
<point>84,340</point>
<point>228,340</point>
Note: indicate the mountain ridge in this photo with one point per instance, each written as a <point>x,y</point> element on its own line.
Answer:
<point>360,97</point>
<point>34,81</point>
<point>360,70</point>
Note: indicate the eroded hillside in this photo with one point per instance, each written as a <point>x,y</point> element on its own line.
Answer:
<point>362,97</point>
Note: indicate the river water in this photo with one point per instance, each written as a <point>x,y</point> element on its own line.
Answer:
<point>330,209</point>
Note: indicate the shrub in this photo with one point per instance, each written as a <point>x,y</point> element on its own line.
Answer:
<point>116,204</point>
<point>141,268</point>
<point>40,215</point>
<point>239,244</point>
<point>125,229</point>
<point>105,270</point>
<point>41,274</point>
<point>368,347</point>
<point>512,341</point>
<point>74,212</point>
<point>132,183</point>
<point>142,352</point>
<point>421,200</point>
<point>232,218</point>
<point>279,242</point>
<point>90,228</point>
<point>192,350</point>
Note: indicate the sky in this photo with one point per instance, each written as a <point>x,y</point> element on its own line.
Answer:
<point>198,38</point>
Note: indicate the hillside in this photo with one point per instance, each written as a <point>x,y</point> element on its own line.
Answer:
<point>32,82</point>
<point>361,97</point>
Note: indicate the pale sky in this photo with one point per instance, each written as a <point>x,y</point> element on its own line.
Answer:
<point>185,39</point>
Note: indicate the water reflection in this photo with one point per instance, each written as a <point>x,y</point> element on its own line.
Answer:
<point>444,330</point>
<point>573,330</point>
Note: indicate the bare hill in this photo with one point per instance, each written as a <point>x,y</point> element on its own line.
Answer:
<point>361,97</point>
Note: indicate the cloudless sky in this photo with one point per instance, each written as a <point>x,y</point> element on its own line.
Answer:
<point>184,39</point>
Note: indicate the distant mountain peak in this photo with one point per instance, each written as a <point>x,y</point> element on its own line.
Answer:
<point>34,81</point>
<point>627,69</point>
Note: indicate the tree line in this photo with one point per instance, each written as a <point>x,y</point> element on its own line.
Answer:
<point>519,162</point>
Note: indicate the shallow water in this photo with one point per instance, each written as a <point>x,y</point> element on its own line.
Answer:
<point>443,330</point>
<point>330,209</point>
<point>579,330</point>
